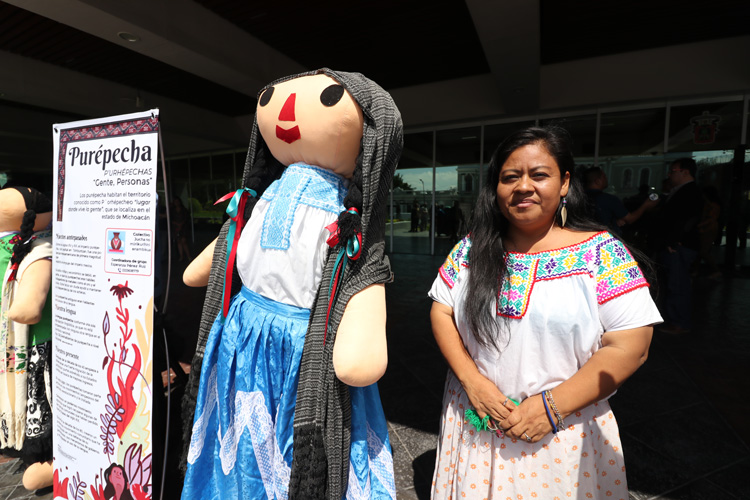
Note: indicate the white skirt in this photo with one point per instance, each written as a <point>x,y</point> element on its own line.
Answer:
<point>583,461</point>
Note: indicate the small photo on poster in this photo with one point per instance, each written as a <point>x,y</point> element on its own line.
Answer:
<point>128,251</point>
<point>116,240</point>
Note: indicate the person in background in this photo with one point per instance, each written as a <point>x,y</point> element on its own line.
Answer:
<point>541,314</point>
<point>180,219</point>
<point>608,208</point>
<point>708,229</point>
<point>457,221</point>
<point>676,242</point>
<point>424,223</point>
<point>415,214</point>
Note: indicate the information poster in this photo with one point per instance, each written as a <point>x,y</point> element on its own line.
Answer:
<point>105,212</point>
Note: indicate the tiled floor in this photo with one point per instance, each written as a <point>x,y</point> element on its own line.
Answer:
<point>683,417</point>
<point>11,472</point>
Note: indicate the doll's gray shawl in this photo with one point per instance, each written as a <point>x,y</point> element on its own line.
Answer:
<point>322,421</point>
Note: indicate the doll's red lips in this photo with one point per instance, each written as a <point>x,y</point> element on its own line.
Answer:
<point>288,135</point>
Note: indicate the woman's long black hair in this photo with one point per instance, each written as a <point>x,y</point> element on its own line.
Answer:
<point>488,226</point>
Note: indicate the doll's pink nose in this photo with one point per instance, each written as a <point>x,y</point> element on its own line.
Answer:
<point>287,111</point>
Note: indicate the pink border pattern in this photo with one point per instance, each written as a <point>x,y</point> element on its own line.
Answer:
<point>67,136</point>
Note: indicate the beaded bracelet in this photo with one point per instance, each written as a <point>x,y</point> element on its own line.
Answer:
<point>560,421</point>
<point>549,415</point>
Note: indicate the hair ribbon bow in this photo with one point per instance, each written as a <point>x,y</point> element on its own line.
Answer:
<point>236,212</point>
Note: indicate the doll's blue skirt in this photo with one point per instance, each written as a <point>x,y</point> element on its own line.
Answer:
<point>242,439</point>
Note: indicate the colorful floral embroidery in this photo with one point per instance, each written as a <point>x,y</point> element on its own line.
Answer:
<point>617,272</point>
<point>603,257</point>
<point>458,257</point>
<point>515,292</point>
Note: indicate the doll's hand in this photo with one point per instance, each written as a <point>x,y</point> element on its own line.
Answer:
<point>360,351</point>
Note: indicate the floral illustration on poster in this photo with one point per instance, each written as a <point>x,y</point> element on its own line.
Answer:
<point>125,438</point>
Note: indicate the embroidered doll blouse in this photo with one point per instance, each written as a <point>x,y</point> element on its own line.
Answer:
<point>551,311</point>
<point>289,220</point>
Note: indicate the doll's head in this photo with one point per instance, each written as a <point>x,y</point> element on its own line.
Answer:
<point>336,120</point>
<point>311,119</point>
<point>25,210</point>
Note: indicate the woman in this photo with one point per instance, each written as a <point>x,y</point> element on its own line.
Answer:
<point>541,315</point>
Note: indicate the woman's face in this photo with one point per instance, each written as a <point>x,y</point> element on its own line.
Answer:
<point>530,188</point>
<point>116,478</point>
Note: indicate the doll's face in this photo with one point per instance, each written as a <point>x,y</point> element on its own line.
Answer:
<point>311,119</point>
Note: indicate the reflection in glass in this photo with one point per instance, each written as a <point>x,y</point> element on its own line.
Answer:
<point>631,153</point>
<point>411,196</point>
<point>205,191</point>
<point>457,159</point>
<point>705,127</point>
<point>582,130</point>
<point>495,134</point>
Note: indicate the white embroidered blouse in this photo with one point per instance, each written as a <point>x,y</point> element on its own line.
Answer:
<point>282,249</point>
<point>553,307</point>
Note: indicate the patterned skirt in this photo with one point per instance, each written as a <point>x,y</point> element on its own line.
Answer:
<point>242,438</point>
<point>37,443</point>
<point>583,461</point>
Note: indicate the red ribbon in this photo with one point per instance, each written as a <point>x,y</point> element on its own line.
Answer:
<point>224,198</point>
<point>352,250</point>
<point>13,272</point>
<point>333,239</point>
<point>239,220</point>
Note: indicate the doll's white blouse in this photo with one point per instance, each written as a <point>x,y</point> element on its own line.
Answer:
<point>291,271</point>
<point>560,313</point>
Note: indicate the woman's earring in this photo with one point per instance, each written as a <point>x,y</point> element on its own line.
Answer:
<point>564,212</point>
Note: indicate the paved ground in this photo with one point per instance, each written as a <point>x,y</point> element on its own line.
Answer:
<point>683,416</point>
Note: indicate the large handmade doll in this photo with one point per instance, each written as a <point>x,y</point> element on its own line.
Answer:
<point>293,330</point>
<point>26,332</point>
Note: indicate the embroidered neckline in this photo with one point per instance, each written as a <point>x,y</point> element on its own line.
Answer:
<point>602,257</point>
<point>559,249</point>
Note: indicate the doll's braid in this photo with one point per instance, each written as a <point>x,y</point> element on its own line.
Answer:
<point>22,248</point>
<point>351,223</point>
<point>266,169</point>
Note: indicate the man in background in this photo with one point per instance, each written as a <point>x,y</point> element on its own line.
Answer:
<point>676,238</point>
<point>608,208</point>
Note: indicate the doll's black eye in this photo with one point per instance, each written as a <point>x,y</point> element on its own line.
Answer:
<point>265,97</point>
<point>331,95</point>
